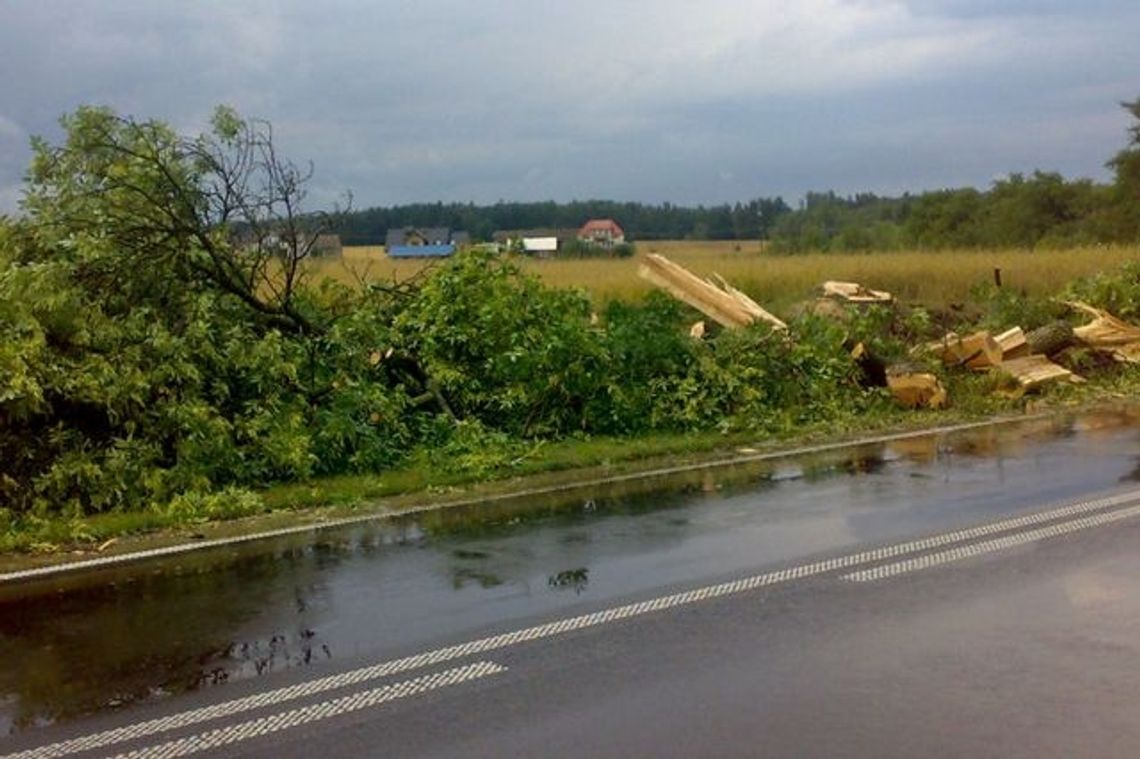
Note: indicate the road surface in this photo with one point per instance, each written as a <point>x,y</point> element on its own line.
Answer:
<point>1000,631</point>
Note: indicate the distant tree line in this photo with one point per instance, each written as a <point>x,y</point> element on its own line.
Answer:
<point>1042,209</point>
<point>743,221</point>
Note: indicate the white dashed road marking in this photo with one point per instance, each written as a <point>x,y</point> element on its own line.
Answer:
<point>988,546</point>
<point>273,723</point>
<point>627,611</point>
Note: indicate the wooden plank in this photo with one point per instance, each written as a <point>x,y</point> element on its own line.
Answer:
<point>1033,372</point>
<point>721,308</point>
<point>730,308</point>
<point>855,292</point>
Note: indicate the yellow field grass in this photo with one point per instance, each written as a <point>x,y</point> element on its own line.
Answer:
<point>931,278</point>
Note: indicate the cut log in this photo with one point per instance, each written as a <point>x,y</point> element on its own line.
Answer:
<point>854,292</point>
<point>1032,372</point>
<point>915,389</point>
<point>1013,344</point>
<point>1105,330</point>
<point>722,303</point>
<point>1050,339</point>
<point>976,351</point>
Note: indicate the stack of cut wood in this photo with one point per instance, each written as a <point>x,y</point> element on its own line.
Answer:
<point>713,297</point>
<point>1024,357</point>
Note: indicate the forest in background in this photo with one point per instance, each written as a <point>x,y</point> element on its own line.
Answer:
<point>1041,209</point>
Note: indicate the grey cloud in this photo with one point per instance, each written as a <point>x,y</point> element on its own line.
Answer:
<point>663,100</point>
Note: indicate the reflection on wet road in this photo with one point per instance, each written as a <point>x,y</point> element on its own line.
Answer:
<point>81,644</point>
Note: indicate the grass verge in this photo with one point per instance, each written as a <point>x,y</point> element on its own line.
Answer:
<point>34,541</point>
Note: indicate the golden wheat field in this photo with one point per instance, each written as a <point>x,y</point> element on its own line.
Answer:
<point>931,278</point>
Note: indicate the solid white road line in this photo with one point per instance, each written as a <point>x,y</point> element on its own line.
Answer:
<point>989,546</point>
<point>254,728</point>
<point>559,627</point>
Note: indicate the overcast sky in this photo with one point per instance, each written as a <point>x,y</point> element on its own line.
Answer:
<point>650,100</point>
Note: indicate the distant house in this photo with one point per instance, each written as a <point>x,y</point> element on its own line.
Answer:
<point>424,242</point>
<point>542,247</point>
<point>604,233</point>
<point>542,242</point>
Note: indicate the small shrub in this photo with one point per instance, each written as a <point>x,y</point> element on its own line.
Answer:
<point>229,503</point>
<point>1006,307</point>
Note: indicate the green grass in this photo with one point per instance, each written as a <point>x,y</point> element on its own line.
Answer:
<point>556,464</point>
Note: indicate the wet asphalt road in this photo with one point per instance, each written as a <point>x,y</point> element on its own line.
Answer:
<point>557,629</point>
<point>1033,652</point>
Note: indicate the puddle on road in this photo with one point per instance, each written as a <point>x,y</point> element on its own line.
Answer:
<point>83,644</point>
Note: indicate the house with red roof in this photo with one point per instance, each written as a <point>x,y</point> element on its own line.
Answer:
<point>604,233</point>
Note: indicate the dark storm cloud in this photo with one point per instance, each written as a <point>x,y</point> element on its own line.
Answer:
<point>663,100</point>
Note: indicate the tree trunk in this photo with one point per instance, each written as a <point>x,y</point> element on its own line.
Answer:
<point>1050,339</point>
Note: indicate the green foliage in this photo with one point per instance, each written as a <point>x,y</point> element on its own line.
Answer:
<point>1115,291</point>
<point>1007,307</point>
<point>503,348</point>
<point>162,354</point>
<point>1122,219</point>
<point>146,356</point>
<point>470,448</point>
<point>757,379</point>
<point>645,344</point>
<point>229,503</point>
<point>945,219</point>
<point>828,222</point>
